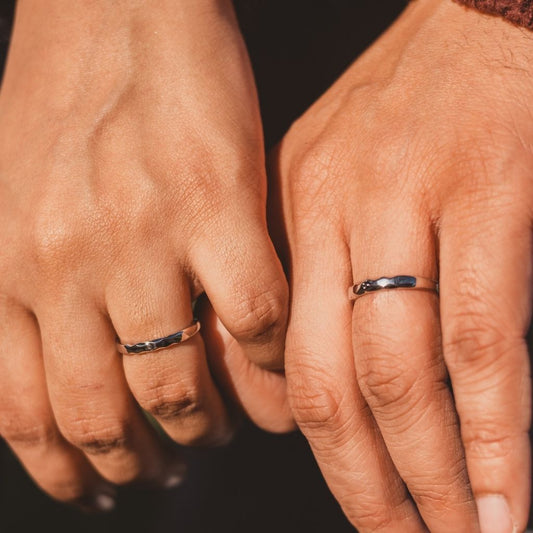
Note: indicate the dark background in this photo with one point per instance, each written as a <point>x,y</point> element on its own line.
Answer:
<point>261,483</point>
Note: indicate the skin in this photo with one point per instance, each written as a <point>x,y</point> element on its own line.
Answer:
<point>418,160</point>
<point>132,180</point>
<point>435,180</point>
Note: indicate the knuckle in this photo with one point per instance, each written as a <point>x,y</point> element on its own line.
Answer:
<point>314,398</point>
<point>313,171</point>
<point>489,440</point>
<point>396,387</point>
<point>54,233</point>
<point>472,332</point>
<point>171,402</point>
<point>371,516</point>
<point>260,316</point>
<point>438,496</point>
<point>95,437</point>
<point>182,410</point>
<point>375,516</point>
<point>25,434</point>
<point>472,340</point>
<point>66,240</point>
<point>385,383</point>
<point>374,519</point>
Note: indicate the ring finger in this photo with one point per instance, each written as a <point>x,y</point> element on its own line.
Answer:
<point>174,384</point>
<point>400,368</point>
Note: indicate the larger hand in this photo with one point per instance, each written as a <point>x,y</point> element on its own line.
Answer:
<point>419,161</point>
<point>131,179</point>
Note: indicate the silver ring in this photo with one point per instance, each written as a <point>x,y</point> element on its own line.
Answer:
<point>160,344</point>
<point>396,282</point>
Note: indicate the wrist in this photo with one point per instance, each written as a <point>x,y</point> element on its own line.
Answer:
<point>76,48</point>
<point>470,44</point>
<point>442,52</point>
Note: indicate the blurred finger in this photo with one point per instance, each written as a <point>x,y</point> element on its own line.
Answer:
<point>92,403</point>
<point>27,422</point>
<point>261,394</point>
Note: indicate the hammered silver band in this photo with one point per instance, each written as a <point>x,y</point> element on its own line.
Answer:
<point>396,282</point>
<point>160,344</point>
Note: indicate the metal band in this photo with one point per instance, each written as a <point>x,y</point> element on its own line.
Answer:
<point>396,282</point>
<point>160,344</point>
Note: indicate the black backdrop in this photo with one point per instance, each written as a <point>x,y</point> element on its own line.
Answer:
<point>261,483</point>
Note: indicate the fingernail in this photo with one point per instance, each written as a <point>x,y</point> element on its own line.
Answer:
<point>174,476</point>
<point>104,502</point>
<point>172,480</point>
<point>494,514</point>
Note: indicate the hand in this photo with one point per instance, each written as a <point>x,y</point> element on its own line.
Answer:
<point>417,161</point>
<point>131,180</point>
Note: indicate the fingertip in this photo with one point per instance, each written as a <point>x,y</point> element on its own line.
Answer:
<point>260,394</point>
<point>276,418</point>
<point>494,514</point>
<point>105,502</point>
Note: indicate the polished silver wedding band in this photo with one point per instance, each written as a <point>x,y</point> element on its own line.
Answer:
<point>396,282</point>
<point>162,343</point>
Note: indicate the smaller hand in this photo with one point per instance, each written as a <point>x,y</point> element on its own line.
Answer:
<point>131,181</point>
